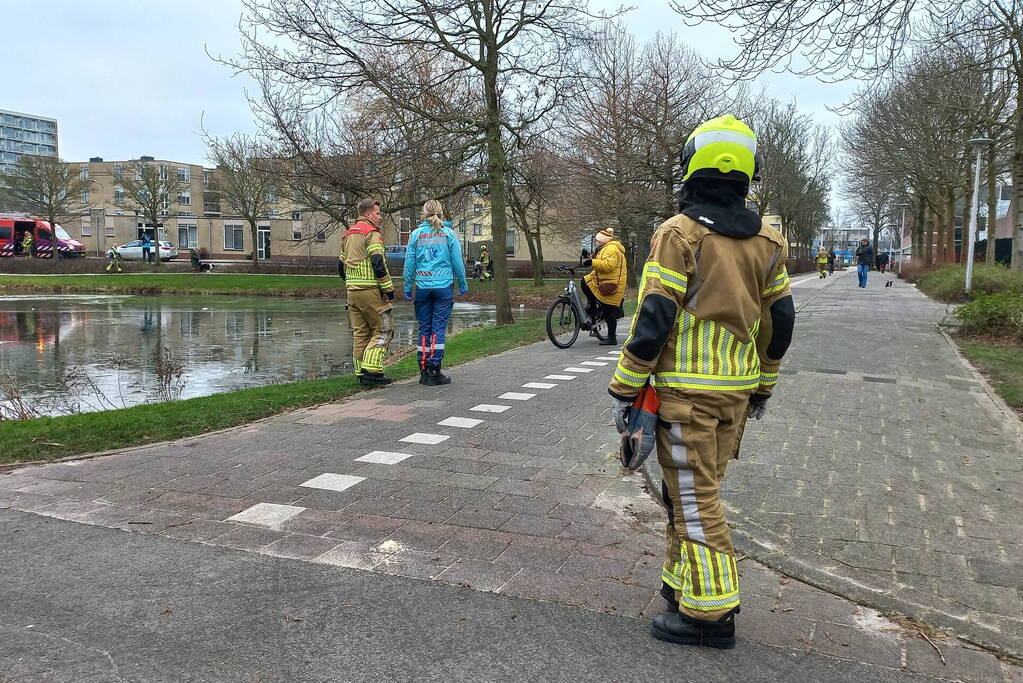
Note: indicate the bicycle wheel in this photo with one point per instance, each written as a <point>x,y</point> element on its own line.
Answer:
<point>562,325</point>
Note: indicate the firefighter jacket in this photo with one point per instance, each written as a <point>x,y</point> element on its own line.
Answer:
<point>822,257</point>
<point>714,316</point>
<point>362,258</point>
<point>608,268</point>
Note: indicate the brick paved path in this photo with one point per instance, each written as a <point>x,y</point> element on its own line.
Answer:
<point>528,501</point>
<point>884,471</point>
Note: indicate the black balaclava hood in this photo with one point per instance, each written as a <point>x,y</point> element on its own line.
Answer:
<point>720,205</point>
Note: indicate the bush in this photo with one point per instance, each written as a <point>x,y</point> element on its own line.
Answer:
<point>993,314</point>
<point>946,283</point>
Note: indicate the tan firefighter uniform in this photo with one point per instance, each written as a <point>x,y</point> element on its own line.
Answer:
<point>700,336</point>
<point>368,285</point>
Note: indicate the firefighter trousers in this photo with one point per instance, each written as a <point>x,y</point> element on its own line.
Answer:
<point>372,328</point>
<point>693,449</point>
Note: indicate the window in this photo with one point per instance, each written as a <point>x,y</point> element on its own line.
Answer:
<point>118,194</point>
<point>164,204</point>
<point>296,215</point>
<point>184,175</point>
<point>188,236</point>
<point>185,213</point>
<point>321,236</point>
<point>85,197</point>
<point>163,172</point>
<point>477,229</point>
<point>110,229</point>
<point>205,177</point>
<point>185,198</point>
<point>234,237</point>
<point>477,209</point>
<point>83,172</point>
<point>296,232</point>
<point>511,241</point>
<point>1005,193</point>
<point>118,171</point>
<point>86,227</point>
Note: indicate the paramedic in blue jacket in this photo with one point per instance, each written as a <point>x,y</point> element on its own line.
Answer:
<point>433,260</point>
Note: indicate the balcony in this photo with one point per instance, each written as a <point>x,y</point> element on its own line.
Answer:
<point>211,208</point>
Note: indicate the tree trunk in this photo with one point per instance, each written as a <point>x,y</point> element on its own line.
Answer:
<point>156,236</point>
<point>950,228</point>
<point>917,242</point>
<point>968,199</point>
<point>992,203</point>
<point>496,166</point>
<point>534,258</point>
<point>929,236</point>
<point>254,233</point>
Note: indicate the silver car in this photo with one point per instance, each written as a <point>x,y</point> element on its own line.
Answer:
<point>132,251</point>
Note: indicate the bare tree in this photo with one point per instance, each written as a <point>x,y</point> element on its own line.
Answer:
<point>150,189</point>
<point>536,177</point>
<point>516,54</point>
<point>867,38</point>
<point>248,180</point>
<point>47,187</point>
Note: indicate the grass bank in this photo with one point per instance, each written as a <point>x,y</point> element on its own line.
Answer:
<point>246,284</point>
<point>946,283</point>
<point>1001,364</point>
<point>48,438</point>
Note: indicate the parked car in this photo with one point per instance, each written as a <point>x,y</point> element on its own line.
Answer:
<point>132,251</point>
<point>395,254</point>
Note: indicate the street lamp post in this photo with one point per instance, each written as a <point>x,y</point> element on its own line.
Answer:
<point>902,232</point>
<point>979,144</point>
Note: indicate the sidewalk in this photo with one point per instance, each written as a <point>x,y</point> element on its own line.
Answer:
<point>507,481</point>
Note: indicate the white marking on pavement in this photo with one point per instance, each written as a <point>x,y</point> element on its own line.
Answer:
<point>539,385</point>
<point>562,377</point>
<point>607,357</point>
<point>593,363</point>
<point>419,437</point>
<point>463,422</point>
<point>487,408</point>
<point>384,457</point>
<point>333,482</point>
<point>267,514</point>
<point>578,369</point>
<point>516,396</point>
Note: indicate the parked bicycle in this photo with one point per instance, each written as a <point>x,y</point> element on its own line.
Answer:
<point>567,315</point>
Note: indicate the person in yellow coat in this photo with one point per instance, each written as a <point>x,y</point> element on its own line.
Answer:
<point>604,286</point>
<point>822,263</point>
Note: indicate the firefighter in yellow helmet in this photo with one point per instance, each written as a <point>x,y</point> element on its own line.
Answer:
<point>370,293</point>
<point>714,318</point>
<point>822,262</point>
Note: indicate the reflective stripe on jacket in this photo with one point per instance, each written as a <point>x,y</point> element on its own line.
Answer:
<point>362,253</point>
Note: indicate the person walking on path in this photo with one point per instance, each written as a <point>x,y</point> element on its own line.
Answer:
<point>822,263</point>
<point>147,247</point>
<point>604,286</point>
<point>115,260</point>
<point>486,265</point>
<point>714,319</point>
<point>433,260</point>
<point>370,293</point>
<point>864,260</point>
<point>882,262</point>
<point>831,262</point>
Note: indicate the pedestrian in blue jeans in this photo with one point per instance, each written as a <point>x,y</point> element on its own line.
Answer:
<point>433,259</point>
<point>864,259</point>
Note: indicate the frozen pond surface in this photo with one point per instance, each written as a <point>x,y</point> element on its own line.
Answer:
<point>107,351</point>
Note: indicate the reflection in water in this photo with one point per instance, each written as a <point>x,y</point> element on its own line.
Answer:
<point>114,346</point>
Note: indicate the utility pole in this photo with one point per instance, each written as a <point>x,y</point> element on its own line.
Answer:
<point>979,144</point>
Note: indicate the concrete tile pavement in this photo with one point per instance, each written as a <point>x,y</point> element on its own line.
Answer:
<point>529,502</point>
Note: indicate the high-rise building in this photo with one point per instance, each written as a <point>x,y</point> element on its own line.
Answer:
<point>25,134</point>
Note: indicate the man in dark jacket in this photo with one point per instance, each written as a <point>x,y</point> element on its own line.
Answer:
<point>864,260</point>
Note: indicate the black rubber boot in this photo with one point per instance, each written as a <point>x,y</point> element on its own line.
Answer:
<point>374,379</point>
<point>682,629</point>
<point>435,377</point>
<point>424,376</point>
<point>610,341</point>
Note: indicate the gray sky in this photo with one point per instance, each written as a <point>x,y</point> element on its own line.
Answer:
<point>127,77</point>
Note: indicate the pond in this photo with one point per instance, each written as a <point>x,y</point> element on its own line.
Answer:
<point>78,353</point>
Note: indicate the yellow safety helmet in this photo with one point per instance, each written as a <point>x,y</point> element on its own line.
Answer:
<point>720,148</point>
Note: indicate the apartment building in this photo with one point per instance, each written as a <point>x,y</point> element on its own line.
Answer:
<point>25,134</point>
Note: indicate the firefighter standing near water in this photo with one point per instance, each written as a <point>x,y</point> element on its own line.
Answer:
<point>370,293</point>
<point>714,319</point>
<point>115,260</point>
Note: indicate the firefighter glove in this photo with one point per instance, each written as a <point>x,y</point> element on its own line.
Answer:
<point>620,411</point>
<point>389,295</point>
<point>757,406</point>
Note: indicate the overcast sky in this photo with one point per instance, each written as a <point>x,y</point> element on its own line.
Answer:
<point>126,78</point>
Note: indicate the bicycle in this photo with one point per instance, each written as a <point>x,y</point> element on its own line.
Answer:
<point>567,315</point>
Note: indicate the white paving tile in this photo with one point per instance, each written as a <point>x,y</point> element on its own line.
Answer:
<point>333,482</point>
<point>420,437</point>
<point>539,385</point>
<point>463,422</point>
<point>384,457</point>
<point>608,357</point>
<point>561,377</point>
<point>593,363</point>
<point>267,514</point>
<point>488,408</point>
<point>574,369</point>
<point>516,396</point>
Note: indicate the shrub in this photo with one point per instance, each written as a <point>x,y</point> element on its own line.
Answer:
<point>993,314</point>
<point>946,283</point>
